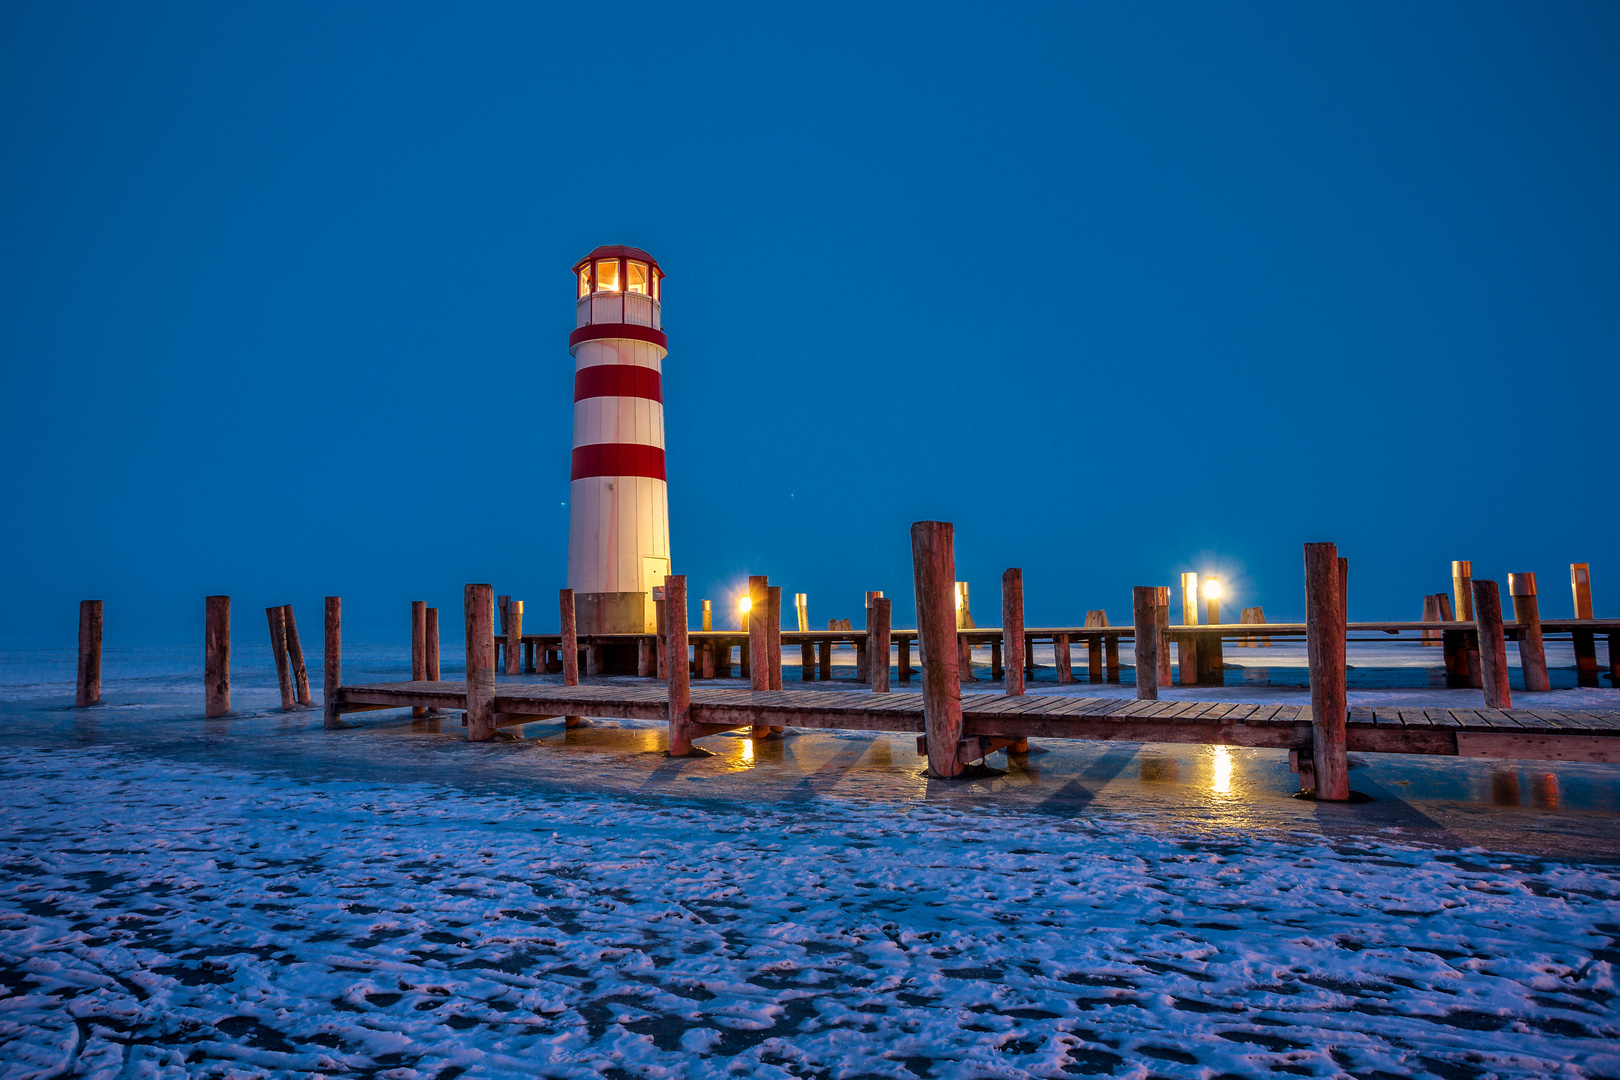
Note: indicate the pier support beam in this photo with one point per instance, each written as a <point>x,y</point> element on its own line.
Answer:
<point>217,657</point>
<point>1324,634</point>
<point>1145,613</point>
<point>480,663</point>
<point>933,566</point>
<point>88,691</point>
<point>1492,645</point>
<point>295,655</point>
<point>332,662</point>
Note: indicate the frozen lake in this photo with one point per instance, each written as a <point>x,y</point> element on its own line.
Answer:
<point>255,896</point>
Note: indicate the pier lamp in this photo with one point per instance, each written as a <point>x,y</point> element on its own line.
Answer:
<point>743,604</point>
<point>1212,597</point>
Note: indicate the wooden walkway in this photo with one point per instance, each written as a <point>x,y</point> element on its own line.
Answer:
<point>1546,734</point>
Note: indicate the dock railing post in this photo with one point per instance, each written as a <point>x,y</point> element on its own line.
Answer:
<point>418,649</point>
<point>277,618</point>
<point>88,690</point>
<point>295,654</point>
<point>1325,643</point>
<point>1492,645</point>
<point>332,662</point>
<point>933,567</point>
<point>1580,586</point>
<point>570,645</point>
<point>1145,640</point>
<point>1532,649</point>
<point>675,649</point>
<point>217,657</point>
<point>877,643</point>
<point>480,663</point>
<point>1012,629</point>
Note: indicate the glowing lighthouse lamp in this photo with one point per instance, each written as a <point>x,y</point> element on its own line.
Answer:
<point>618,509</point>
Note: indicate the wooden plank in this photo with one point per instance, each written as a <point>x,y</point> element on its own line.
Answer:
<point>1538,746</point>
<point>1361,716</point>
<point>1442,718</point>
<point>1415,718</point>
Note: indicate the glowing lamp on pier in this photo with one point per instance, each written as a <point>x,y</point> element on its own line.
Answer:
<point>618,508</point>
<point>1212,598</point>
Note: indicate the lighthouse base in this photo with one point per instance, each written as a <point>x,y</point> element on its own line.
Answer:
<point>614,613</point>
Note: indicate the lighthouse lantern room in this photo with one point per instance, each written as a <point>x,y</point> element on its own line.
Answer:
<point>618,508</point>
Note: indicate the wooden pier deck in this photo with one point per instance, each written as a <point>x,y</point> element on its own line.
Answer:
<point>994,719</point>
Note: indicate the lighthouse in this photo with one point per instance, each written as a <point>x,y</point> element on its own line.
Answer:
<point>618,506</point>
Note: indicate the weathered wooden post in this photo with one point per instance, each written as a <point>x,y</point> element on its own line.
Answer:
<point>933,567</point>
<point>824,660</point>
<point>1145,611</point>
<point>1161,601</point>
<point>1012,628</point>
<point>1187,644</point>
<point>430,652</point>
<point>903,667</point>
<point>1462,591</point>
<point>480,663</point>
<point>675,649</point>
<point>877,643</point>
<point>964,659</point>
<point>295,654</point>
<point>758,651</point>
<point>499,628</point>
<point>1532,650</point>
<point>332,662</point>
<point>708,616</point>
<point>1062,658</point>
<point>1325,641</point>
<point>807,661</point>
<point>277,618</point>
<point>773,634</point>
<point>88,691</point>
<point>1212,654</point>
<point>862,659</point>
<point>801,606</point>
<point>1431,613</point>
<point>570,646</point>
<point>1492,645</point>
<point>1344,592</point>
<point>514,637</point>
<point>217,657</point>
<point>1586,665</point>
<point>646,656</point>
<point>418,649</point>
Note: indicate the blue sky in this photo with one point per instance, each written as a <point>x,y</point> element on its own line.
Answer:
<point>1122,290</point>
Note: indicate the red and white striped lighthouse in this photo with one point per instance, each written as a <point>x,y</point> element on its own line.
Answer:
<point>618,507</point>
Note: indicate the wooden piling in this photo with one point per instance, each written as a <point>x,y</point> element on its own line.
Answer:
<point>277,619</point>
<point>1325,636</point>
<point>1492,645</point>
<point>1586,665</point>
<point>1211,654</point>
<point>675,653</point>
<point>1462,593</point>
<point>332,662</point>
<point>1062,658</point>
<point>801,607</point>
<point>1145,610</point>
<point>933,567</point>
<point>1111,657</point>
<point>430,651</point>
<point>903,661</point>
<point>807,661</point>
<point>964,659</point>
<point>514,637</point>
<point>647,656</point>
<point>997,674</point>
<point>773,633</point>
<point>1344,591</point>
<point>418,648</point>
<point>570,645</point>
<point>217,656</point>
<point>824,660</point>
<point>88,691</point>
<point>878,642</point>
<point>660,628</point>
<point>1187,658</point>
<point>706,661</point>
<point>756,654</point>
<point>708,616</point>
<point>1431,613</point>
<point>480,663</point>
<point>1532,650</point>
<point>1012,628</point>
<point>295,656</point>
<point>1162,600</point>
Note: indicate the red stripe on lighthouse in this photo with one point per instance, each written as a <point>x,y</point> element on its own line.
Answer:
<point>629,331</point>
<point>618,380</point>
<point>618,459</point>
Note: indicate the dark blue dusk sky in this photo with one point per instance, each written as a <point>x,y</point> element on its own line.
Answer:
<point>1122,290</point>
